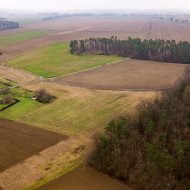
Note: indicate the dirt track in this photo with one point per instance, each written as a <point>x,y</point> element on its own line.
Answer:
<point>16,75</point>
<point>85,179</point>
<point>19,141</point>
<point>127,75</point>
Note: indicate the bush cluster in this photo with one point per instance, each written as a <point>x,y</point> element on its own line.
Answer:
<point>43,96</point>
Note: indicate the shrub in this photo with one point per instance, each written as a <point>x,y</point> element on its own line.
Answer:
<point>43,96</point>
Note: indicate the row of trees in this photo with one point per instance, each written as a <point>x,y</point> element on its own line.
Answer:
<point>4,25</point>
<point>155,50</point>
<point>152,150</point>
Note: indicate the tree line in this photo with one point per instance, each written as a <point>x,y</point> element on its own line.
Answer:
<point>152,150</point>
<point>154,50</point>
<point>4,25</point>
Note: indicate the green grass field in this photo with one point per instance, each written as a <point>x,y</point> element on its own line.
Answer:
<point>71,116</point>
<point>73,113</point>
<point>56,60</point>
<point>11,39</point>
<point>18,110</point>
<point>3,106</point>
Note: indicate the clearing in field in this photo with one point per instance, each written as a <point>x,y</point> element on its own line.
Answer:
<point>20,141</point>
<point>128,75</point>
<point>56,60</point>
<point>14,38</point>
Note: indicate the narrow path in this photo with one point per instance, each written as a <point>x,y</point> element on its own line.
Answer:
<point>23,78</point>
<point>20,77</point>
<point>89,69</point>
<point>22,84</point>
<point>37,79</point>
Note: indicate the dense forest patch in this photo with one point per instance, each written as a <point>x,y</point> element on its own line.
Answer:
<point>154,50</point>
<point>150,151</point>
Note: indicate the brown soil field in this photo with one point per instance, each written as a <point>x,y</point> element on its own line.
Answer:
<point>52,161</point>
<point>20,141</point>
<point>85,178</point>
<point>122,26</point>
<point>94,23</point>
<point>82,27</point>
<point>127,75</point>
<point>19,48</point>
<point>71,28</point>
<point>162,29</point>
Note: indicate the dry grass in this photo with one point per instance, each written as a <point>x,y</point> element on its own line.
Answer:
<point>48,164</point>
<point>16,75</point>
<point>78,111</point>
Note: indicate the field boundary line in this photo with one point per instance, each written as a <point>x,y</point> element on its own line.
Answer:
<point>23,84</point>
<point>89,69</point>
<point>115,90</point>
<point>21,70</point>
